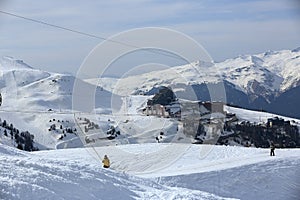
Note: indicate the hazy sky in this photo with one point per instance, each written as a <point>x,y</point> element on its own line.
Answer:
<point>225,28</point>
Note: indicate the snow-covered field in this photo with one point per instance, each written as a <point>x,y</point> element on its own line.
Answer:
<point>150,171</point>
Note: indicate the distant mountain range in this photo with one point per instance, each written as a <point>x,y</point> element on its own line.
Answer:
<point>268,81</point>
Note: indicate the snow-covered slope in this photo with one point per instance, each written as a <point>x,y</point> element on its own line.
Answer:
<point>257,116</point>
<point>35,100</point>
<point>31,98</point>
<point>189,74</point>
<point>285,64</point>
<point>9,63</point>
<point>35,90</point>
<point>188,172</point>
<point>74,174</point>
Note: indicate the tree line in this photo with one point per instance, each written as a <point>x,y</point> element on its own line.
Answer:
<point>23,140</point>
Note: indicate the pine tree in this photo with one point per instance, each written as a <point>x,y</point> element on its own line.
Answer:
<point>28,141</point>
<point>11,127</point>
<point>20,146</point>
<point>4,123</point>
<point>5,132</point>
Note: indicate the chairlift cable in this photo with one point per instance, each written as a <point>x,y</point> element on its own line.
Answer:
<point>155,51</point>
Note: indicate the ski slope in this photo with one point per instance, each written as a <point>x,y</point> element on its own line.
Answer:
<point>74,174</point>
<point>150,171</point>
<point>257,116</point>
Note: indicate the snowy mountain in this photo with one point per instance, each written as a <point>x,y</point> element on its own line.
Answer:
<point>251,81</point>
<point>37,101</point>
<point>151,157</point>
<point>41,103</point>
<point>26,88</point>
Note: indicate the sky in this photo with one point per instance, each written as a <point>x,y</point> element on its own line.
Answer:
<point>225,28</point>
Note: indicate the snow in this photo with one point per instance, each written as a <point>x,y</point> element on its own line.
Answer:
<point>180,159</point>
<point>150,171</point>
<point>256,116</point>
<point>32,97</point>
<point>74,174</point>
<point>9,63</point>
<point>141,168</point>
<point>274,71</point>
<point>274,179</point>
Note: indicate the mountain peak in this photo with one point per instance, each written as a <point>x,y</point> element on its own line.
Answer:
<point>296,50</point>
<point>10,63</point>
<point>256,60</point>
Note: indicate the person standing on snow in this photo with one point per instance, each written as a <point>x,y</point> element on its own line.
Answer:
<point>106,162</point>
<point>272,153</point>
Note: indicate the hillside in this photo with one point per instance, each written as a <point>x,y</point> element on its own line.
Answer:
<point>24,88</point>
<point>35,100</point>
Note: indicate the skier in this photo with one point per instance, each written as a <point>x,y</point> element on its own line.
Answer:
<point>106,162</point>
<point>272,153</point>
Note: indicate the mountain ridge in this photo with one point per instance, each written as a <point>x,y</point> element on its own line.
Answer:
<point>261,77</point>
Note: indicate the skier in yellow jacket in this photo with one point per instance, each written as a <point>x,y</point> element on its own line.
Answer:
<point>106,162</point>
